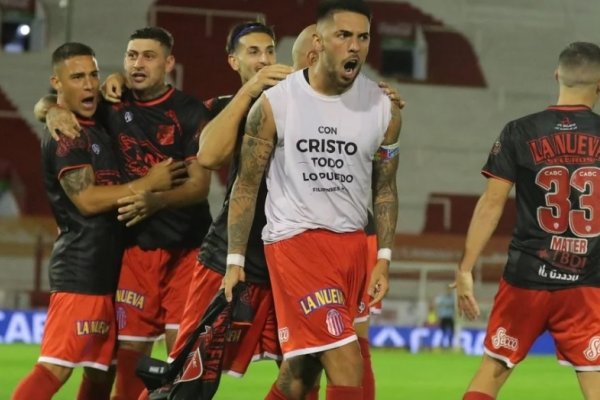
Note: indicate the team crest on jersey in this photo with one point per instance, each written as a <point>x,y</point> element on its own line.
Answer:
<point>128,116</point>
<point>335,323</point>
<point>96,148</point>
<point>165,134</point>
<point>501,339</point>
<point>566,125</point>
<point>593,350</point>
<point>496,148</point>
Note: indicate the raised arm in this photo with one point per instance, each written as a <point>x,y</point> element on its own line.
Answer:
<point>257,147</point>
<point>385,204</point>
<point>218,138</point>
<point>485,219</point>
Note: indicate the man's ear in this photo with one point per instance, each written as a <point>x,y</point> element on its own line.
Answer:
<point>55,83</point>
<point>317,42</point>
<point>170,63</point>
<point>234,63</point>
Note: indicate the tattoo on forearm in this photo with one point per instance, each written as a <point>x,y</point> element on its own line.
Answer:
<point>385,191</point>
<point>77,180</point>
<point>254,157</point>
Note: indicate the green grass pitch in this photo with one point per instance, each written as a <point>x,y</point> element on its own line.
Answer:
<point>399,375</point>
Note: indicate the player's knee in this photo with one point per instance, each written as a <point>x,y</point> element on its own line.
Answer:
<point>60,372</point>
<point>344,365</point>
<point>142,347</point>
<point>96,375</point>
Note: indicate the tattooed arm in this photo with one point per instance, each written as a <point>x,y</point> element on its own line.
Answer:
<point>256,152</point>
<point>385,206</point>
<point>80,186</point>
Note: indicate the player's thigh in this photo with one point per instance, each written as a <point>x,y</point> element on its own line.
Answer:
<point>343,365</point>
<point>589,381</point>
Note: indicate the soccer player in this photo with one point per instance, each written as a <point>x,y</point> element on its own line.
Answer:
<point>316,207</point>
<point>552,278</point>
<point>82,180</point>
<point>250,48</point>
<point>154,121</point>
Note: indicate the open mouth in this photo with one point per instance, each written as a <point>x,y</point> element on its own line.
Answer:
<point>88,102</point>
<point>138,76</point>
<point>350,66</point>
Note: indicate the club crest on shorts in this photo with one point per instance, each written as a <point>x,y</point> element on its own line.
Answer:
<point>501,339</point>
<point>593,350</point>
<point>361,307</point>
<point>335,323</point>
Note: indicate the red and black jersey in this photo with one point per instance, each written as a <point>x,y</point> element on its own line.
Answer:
<point>213,252</point>
<point>553,158</point>
<point>87,253</point>
<point>145,133</point>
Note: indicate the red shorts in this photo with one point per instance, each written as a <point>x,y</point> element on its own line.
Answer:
<point>245,343</point>
<point>153,288</point>
<point>79,331</point>
<point>318,280</point>
<point>365,310</point>
<point>572,316</point>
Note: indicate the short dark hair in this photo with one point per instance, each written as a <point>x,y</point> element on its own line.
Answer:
<point>161,35</point>
<point>243,29</point>
<point>327,8</point>
<point>579,54</point>
<point>69,50</point>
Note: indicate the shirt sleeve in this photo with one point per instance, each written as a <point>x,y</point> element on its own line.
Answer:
<point>502,160</point>
<point>72,154</point>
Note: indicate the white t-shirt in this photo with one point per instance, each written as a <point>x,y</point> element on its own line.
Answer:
<point>320,174</point>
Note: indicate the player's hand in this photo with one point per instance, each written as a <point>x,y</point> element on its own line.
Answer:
<point>467,305</point>
<point>112,88</point>
<point>233,275</point>
<point>139,206</point>
<point>393,94</point>
<point>165,175</point>
<point>268,76</point>
<point>61,121</point>
<point>379,282</point>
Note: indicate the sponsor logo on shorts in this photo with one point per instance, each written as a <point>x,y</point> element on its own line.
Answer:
<point>335,323</point>
<point>130,297</point>
<point>284,335</point>
<point>121,317</point>
<point>501,339</point>
<point>320,298</point>
<point>593,350</point>
<point>92,327</point>
<point>361,307</point>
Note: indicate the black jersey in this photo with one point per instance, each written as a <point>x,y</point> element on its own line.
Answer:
<point>213,253</point>
<point>553,158</point>
<point>146,133</point>
<point>87,253</point>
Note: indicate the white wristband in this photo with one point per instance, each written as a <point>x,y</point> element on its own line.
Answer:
<point>236,259</point>
<point>384,254</point>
